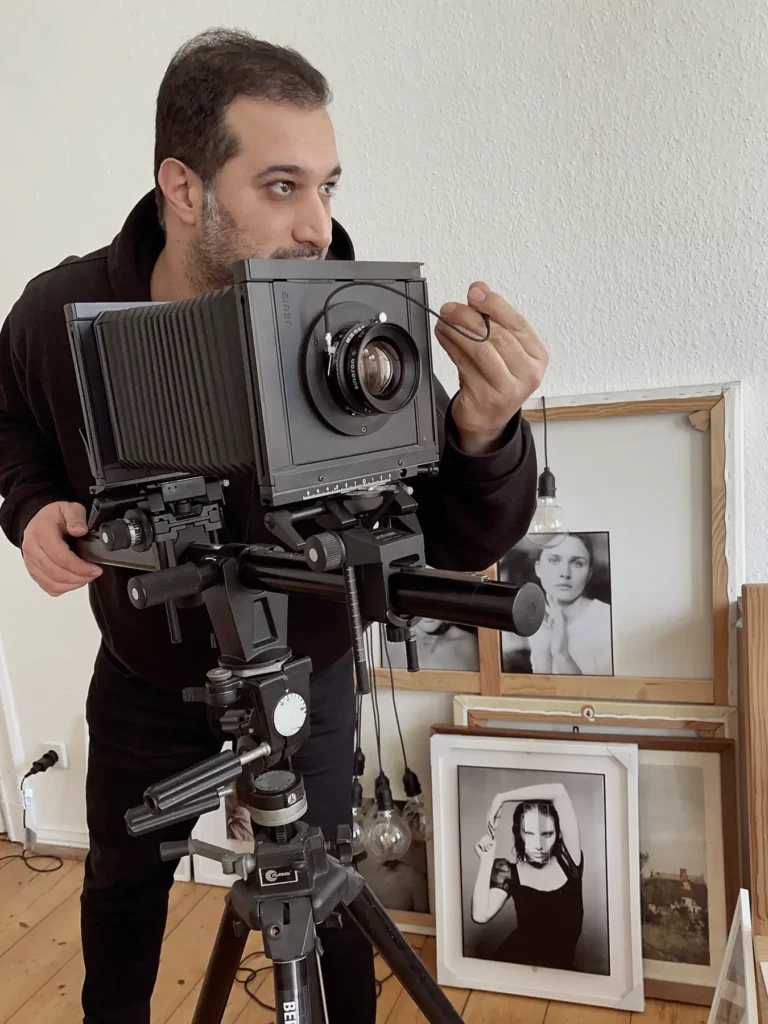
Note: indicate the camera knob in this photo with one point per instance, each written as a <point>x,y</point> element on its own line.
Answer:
<point>116,535</point>
<point>325,552</point>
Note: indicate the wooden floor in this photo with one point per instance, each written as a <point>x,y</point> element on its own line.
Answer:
<point>41,969</point>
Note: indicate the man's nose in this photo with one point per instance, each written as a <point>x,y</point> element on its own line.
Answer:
<point>313,224</point>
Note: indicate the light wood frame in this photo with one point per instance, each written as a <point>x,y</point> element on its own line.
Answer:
<point>715,409</point>
<point>654,989</point>
<point>707,721</point>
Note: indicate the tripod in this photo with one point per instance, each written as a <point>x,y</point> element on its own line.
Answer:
<point>368,553</point>
<point>295,879</point>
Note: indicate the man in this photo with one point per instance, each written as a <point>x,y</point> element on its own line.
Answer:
<point>245,167</point>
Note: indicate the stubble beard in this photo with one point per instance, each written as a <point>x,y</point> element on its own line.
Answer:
<point>221,243</point>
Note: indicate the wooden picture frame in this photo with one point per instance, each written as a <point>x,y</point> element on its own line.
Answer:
<point>714,409</point>
<point>671,991</point>
<point>705,721</point>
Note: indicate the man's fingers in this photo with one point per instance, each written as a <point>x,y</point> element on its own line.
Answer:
<point>54,552</point>
<point>50,586</point>
<point>53,570</point>
<point>506,316</point>
<point>476,363</point>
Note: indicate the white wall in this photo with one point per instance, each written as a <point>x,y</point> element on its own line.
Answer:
<point>602,164</point>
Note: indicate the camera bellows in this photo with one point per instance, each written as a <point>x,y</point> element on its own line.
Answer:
<point>175,375</point>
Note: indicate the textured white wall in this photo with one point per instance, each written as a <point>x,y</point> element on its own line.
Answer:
<point>600,163</point>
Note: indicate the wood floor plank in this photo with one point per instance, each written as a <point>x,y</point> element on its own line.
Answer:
<point>58,1000</point>
<point>41,965</point>
<point>657,1012</point>
<point>491,1008</point>
<point>27,897</point>
<point>32,961</point>
<point>405,1011</point>
<point>186,953</point>
<point>569,1013</point>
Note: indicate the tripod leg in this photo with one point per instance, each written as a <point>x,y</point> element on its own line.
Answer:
<point>298,992</point>
<point>222,968</point>
<point>373,921</point>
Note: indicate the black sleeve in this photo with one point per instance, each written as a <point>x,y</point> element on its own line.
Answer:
<point>32,473</point>
<point>501,875</point>
<point>478,506</point>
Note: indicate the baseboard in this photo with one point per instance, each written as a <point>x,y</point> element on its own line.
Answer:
<point>74,846</point>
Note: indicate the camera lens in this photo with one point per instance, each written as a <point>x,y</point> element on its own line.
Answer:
<point>380,369</point>
<point>375,368</point>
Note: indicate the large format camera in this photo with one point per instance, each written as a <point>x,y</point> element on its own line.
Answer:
<point>270,375</point>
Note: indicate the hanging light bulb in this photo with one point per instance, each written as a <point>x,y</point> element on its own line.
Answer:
<point>414,811</point>
<point>387,836</point>
<point>358,819</point>
<point>547,527</point>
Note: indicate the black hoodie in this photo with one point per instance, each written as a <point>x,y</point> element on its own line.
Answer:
<point>471,513</point>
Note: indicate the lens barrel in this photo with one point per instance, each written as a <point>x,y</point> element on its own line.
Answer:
<point>375,368</point>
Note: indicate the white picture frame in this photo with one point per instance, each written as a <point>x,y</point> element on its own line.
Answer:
<point>620,986</point>
<point>735,1000</point>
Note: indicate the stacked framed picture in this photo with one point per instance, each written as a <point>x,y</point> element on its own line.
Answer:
<point>682,878</point>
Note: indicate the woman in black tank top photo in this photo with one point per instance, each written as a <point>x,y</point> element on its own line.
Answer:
<point>540,867</point>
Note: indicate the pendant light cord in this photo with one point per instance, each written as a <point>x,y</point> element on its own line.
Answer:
<point>544,417</point>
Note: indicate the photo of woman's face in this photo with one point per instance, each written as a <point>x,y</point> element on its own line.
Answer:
<point>564,570</point>
<point>538,835</point>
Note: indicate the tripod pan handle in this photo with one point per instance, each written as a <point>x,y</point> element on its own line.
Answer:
<point>140,820</point>
<point>194,782</point>
<point>153,588</point>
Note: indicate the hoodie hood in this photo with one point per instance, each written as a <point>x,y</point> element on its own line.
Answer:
<point>134,251</point>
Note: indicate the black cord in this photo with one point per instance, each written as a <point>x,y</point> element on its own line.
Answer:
<point>544,417</point>
<point>252,973</point>
<point>396,291</point>
<point>27,857</point>
<point>394,701</point>
<point>375,710</point>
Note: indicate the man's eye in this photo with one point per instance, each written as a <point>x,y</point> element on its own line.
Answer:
<point>282,188</point>
<point>330,187</point>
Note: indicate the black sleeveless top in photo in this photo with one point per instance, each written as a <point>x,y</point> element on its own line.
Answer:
<point>548,923</point>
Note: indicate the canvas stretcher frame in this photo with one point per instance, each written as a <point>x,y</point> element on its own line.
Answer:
<point>715,409</point>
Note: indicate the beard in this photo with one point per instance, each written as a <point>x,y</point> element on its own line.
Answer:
<point>221,243</point>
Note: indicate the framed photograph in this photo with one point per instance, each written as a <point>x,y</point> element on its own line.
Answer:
<point>531,836</point>
<point>666,577</point>
<point>688,855</point>
<point>735,1000</point>
<point>576,637</point>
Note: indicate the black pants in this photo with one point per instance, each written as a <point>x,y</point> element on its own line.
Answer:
<point>140,735</point>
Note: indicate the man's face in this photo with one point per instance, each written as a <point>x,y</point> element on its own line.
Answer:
<point>272,200</point>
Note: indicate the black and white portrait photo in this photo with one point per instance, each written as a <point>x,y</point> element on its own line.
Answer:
<point>534,868</point>
<point>576,636</point>
<point>440,645</point>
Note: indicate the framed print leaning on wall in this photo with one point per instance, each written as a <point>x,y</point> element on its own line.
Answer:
<point>687,857</point>
<point>531,835</point>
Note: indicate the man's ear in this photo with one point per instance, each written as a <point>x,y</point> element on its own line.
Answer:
<point>183,191</point>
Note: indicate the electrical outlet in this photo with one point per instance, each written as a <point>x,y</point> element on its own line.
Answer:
<point>61,750</point>
<point>28,798</point>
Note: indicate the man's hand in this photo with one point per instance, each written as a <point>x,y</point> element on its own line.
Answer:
<point>496,376</point>
<point>50,561</point>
